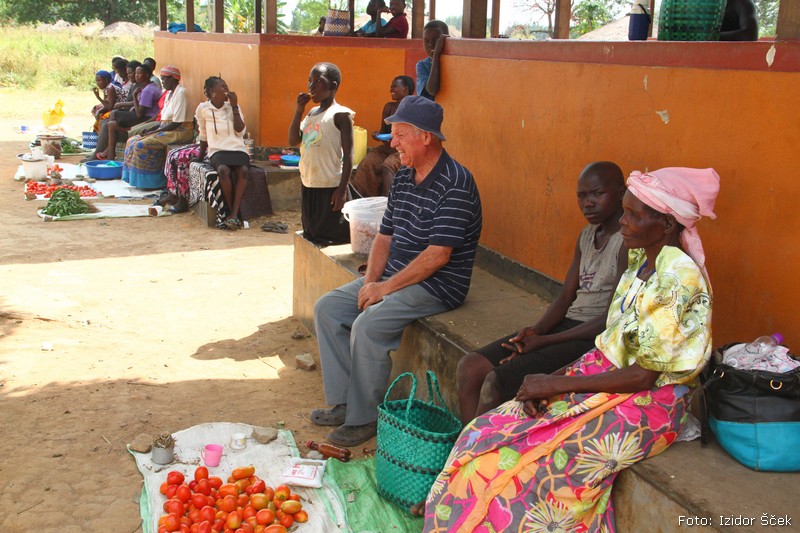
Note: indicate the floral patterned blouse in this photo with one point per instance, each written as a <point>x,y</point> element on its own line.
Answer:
<point>662,324</point>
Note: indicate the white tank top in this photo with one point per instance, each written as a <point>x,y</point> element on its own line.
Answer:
<point>321,148</point>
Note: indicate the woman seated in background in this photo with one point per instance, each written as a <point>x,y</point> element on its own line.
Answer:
<point>145,106</point>
<point>110,95</point>
<point>221,134</point>
<point>375,172</point>
<point>145,153</point>
<point>548,459</point>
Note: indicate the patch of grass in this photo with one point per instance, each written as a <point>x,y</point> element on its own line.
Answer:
<point>60,60</point>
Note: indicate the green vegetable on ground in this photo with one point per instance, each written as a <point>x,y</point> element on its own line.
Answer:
<point>65,202</point>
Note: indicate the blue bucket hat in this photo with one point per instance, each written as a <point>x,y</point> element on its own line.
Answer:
<point>421,112</point>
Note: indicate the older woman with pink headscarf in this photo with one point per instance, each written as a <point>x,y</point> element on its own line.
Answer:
<point>145,153</point>
<point>547,460</point>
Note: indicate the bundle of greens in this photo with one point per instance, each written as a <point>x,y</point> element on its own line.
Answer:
<point>70,146</point>
<point>65,202</point>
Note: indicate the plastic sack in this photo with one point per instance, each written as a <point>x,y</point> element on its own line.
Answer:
<point>53,116</point>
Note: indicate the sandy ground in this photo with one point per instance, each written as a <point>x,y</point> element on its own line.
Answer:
<point>155,325</point>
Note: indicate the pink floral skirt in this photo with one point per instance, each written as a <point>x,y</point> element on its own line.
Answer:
<point>511,472</point>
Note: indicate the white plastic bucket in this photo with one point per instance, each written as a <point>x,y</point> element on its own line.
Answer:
<point>34,167</point>
<point>365,216</point>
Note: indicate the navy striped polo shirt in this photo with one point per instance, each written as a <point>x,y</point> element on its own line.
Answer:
<point>443,210</point>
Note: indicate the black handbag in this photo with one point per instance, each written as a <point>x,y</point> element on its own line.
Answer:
<point>754,414</point>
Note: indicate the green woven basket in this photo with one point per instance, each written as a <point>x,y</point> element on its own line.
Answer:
<point>690,20</point>
<point>414,441</point>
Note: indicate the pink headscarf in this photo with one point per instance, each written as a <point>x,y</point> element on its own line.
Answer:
<point>685,193</point>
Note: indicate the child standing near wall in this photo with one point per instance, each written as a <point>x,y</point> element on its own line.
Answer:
<point>428,70</point>
<point>325,137</point>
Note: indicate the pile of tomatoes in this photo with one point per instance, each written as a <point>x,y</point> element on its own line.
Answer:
<point>245,504</point>
<point>37,187</point>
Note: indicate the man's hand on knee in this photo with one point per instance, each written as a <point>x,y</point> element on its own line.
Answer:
<point>370,293</point>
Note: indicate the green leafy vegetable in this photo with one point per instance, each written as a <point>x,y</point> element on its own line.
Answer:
<point>65,202</point>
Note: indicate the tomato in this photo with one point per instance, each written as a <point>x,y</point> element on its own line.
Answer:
<point>259,528</point>
<point>184,493</point>
<point>201,472</point>
<point>258,486</point>
<point>265,516</point>
<point>259,501</point>
<point>243,472</point>
<point>204,527</point>
<point>287,521</point>
<point>208,513</point>
<point>186,520</point>
<point>173,522</point>
<point>173,505</point>
<point>248,512</point>
<point>174,477</point>
<point>282,492</point>
<point>199,500</point>
<point>228,489</point>
<point>229,503</point>
<point>163,488</point>
<point>218,525</point>
<point>234,520</point>
<point>276,528</point>
<point>215,482</point>
<point>269,492</point>
<point>301,517</point>
<point>295,497</point>
<point>291,507</point>
<point>195,516</point>
<point>172,490</point>
<point>203,487</point>
<point>192,484</point>
<point>246,528</point>
<point>242,484</point>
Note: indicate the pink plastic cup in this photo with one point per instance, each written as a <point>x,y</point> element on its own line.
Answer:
<point>212,454</point>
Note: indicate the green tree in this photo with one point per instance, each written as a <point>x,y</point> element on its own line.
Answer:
<point>305,16</point>
<point>767,11</point>
<point>76,12</point>
<point>589,15</point>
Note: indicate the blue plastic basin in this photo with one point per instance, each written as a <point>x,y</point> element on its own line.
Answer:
<point>103,170</point>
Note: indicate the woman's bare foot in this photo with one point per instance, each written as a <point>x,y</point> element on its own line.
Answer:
<point>418,509</point>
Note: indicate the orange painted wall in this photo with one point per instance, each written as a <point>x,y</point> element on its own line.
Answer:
<point>268,71</point>
<point>526,128</point>
<point>234,57</point>
<point>367,73</point>
<point>526,118</point>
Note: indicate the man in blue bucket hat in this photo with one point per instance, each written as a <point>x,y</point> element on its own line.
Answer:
<point>420,264</point>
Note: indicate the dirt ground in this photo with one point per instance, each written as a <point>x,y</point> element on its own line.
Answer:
<point>156,324</point>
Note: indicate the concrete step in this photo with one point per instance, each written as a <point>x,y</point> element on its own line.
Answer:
<point>687,488</point>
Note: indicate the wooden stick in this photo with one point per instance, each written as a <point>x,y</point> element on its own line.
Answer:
<point>31,507</point>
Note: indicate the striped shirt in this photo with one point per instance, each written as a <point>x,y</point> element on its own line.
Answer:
<point>443,210</point>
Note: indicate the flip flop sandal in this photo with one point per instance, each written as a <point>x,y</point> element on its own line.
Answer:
<point>329,417</point>
<point>232,224</point>
<point>350,436</point>
<point>275,227</point>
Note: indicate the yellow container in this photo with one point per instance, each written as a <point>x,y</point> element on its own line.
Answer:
<point>359,144</point>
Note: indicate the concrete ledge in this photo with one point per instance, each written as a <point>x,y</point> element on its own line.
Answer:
<point>686,481</point>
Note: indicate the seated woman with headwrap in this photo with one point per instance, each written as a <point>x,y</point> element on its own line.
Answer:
<point>547,460</point>
<point>144,100</point>
<point>111,94</point>
<point>374,174</point>
<point>145,154</point>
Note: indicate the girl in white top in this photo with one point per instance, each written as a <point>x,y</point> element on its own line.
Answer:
<point>325,137</point>
<point>221,127</point>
